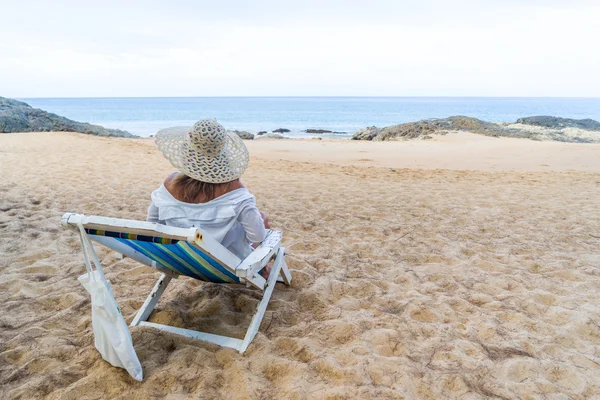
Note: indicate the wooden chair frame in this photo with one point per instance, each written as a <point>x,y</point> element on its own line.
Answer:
<point>247,270</point>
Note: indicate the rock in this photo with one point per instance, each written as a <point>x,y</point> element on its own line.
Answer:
<point>413,130</point>
<point>317,131</point>
<point>563,129</point>
<point>409,130</point>
<point>560,123</point>
<point>366,133</point>
<point>244,135</point>
<point>16,116</point>
<point>462,123</point>
<point>271,136</point>
<point>261,133</point>
<point>281,130</point>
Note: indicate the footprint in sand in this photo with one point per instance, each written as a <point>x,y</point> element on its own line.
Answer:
<point>423,315</point>
<point>39,270</point>
<point>34,257</point>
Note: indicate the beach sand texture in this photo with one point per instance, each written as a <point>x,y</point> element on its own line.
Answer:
<point>471,282</point>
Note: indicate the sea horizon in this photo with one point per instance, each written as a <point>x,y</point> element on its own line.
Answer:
<point>311,96</point>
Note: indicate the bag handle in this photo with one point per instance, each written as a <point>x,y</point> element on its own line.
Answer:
<point>88,248</point>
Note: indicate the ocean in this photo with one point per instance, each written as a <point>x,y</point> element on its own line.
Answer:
<point>343,115</point>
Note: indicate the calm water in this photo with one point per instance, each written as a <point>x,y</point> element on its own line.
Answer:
<point>145,116</point>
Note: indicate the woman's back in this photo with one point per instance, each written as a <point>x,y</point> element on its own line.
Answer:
<point>231,218</point>
<point>208,194</point>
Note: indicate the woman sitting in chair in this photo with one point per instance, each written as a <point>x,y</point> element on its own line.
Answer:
<point>207,192</point>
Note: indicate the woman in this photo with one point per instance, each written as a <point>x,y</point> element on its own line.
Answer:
<point>207,192</point>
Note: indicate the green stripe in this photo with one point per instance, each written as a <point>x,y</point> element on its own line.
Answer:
<point>197,257</point>
<point>182,261</point>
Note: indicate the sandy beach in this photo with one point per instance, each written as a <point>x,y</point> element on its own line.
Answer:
<point>459,267</point>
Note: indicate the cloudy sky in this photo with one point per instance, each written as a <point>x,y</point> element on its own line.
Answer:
<point>300,48</point>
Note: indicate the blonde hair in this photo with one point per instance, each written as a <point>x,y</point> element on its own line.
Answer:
<point>188,188</point>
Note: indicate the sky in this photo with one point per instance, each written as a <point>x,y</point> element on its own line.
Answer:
<point>299,48</point>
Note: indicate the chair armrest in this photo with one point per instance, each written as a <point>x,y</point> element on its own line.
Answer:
<point>260,256</point>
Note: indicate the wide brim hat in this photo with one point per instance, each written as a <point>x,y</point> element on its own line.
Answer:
<point>205,152</point>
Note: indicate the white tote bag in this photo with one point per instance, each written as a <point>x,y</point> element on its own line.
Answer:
<point>111,334</point>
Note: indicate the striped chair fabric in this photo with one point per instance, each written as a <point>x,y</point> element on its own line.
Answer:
<point>176,255</point>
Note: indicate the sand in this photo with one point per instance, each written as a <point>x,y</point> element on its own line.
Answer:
<point>455,151</point>
<point>461,267</point>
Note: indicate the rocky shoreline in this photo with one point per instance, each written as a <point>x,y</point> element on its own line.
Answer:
<point>17,116</point>
<point>535,128</point>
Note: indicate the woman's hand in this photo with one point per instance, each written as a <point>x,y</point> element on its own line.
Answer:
<point>265,220</point>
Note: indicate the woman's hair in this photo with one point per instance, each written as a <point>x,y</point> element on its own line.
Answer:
<point>188,188</point>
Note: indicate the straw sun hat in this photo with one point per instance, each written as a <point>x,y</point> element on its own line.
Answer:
<point>206,152</point>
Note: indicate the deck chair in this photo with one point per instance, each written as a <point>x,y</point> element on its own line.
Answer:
<point>179,251</point>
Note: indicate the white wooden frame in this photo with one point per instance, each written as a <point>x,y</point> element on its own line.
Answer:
<point>246,270</point>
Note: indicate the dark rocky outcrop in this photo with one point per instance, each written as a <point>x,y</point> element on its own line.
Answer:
<point>367,133</point>
<point>17,116</point>
<point>281,130</point>
<point>469,124</point>
<point>261,133</point>
<point>409,130</point>
<point>244,135</point>
<point>560,123</point>
<point>317,131</point>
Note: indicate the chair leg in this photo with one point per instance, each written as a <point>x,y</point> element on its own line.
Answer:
<point>262,306</point>
<point>144,312</point>
<point>286,276</point>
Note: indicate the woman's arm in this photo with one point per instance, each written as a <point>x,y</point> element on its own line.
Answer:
<point>253,223</point>
<point>265,220</point>
<point>152,215</point>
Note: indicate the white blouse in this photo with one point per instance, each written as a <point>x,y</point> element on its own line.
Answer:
<point>232,219</point>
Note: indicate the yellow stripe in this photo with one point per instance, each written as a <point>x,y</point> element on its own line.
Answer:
<point>182,261</point>
<point>190,252</point>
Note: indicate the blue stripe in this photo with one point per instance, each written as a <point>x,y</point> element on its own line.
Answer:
<point>210,261</point>
<point>208,274</point>
<point>153,252</point>
<point>216,265</point>
<point>175,263</point>
<point>156,253</point>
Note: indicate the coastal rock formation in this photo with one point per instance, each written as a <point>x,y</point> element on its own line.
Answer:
<point>560,123</point>
<point>317,131</point>
<point>535,128</point>
<point>413,130</point>
<point>281,130</point>
<point>17,116</point>
<point>244,135</point>
<point>261,133</point>
<point>469,124</point>
<point>367,133</point>
<point>409,130</point>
